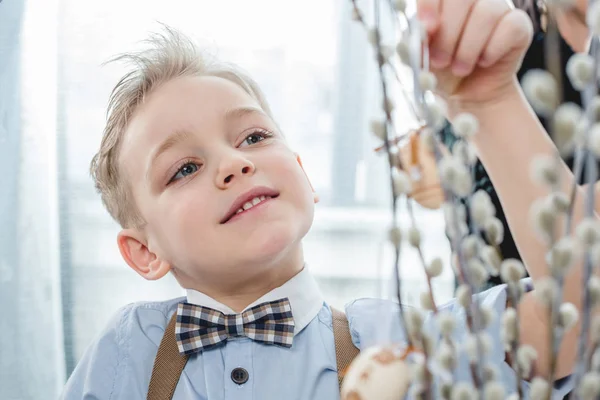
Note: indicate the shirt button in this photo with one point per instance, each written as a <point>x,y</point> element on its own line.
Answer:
<point>239,376</point>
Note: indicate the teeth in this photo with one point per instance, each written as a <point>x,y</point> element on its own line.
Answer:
<point>249,204</point>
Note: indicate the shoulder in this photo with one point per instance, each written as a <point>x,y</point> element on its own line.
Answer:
<point>377,321</point>
<point>122,355</point>
<point>148,318</point>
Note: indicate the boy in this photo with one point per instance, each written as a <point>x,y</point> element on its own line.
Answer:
<point>194,168</point>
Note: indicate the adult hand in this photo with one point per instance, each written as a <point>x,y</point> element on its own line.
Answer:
<point>476,47</point>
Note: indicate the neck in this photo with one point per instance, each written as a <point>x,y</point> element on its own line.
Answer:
<point>246,291</point>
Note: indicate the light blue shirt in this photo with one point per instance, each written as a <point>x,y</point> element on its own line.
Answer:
<point>118,364</point>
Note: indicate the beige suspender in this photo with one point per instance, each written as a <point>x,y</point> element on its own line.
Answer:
<point>169,364</point>
<point>345,351</point>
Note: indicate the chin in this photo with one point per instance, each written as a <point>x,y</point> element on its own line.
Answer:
<point>274,242</point>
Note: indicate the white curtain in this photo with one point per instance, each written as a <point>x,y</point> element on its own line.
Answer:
<point>61,275</point>
<point>31,345</point>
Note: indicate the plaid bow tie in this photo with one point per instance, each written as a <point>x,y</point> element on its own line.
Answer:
<point>201,328</point>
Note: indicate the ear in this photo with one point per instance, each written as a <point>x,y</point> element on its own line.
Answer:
<point>315,195</point>
<point>134,249</point>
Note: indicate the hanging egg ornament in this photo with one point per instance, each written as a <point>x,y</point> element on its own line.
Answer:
<point>377,373</point>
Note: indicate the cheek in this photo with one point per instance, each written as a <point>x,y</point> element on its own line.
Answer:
<point>294,180</point>
<point>186,216</point>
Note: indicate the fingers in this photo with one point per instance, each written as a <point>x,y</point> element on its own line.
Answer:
<point>573,29</point>
<point>454,15</point>
<point>483,18</point>
<point>581,7</point>
<point>513,31</point>
<point>428,12</point>
<point>469,33</point>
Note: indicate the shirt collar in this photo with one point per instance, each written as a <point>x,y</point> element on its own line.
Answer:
<point>302,291</point>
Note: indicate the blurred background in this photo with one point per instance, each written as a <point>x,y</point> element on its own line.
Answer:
<point>61,275</point>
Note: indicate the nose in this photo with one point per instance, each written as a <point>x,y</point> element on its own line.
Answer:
<point>232,168</point>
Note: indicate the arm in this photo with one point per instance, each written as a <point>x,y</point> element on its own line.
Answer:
<point>506,147</point>
<point>478,76</point>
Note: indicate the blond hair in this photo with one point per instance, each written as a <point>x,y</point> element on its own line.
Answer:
<point>169,56</point>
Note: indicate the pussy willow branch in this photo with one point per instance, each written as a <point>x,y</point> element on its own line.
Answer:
<point>554,66</point>
<point>582,364</point>
<point>428,390</point>
<point>472,312</point>
<point>396,22</point>
<point>591,176</point>
<point>392,67</point>
<point>477,308</point>
<point>513,291</point>
<point>476,325</point>
<point>422,258</point>
<point>455,244</point>
<point>593,348</point>
<point>388,123</point>
<point>577,171</point>
<point>408,202</point>
<point>456,239</point>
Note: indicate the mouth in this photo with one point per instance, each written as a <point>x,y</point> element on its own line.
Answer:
<point>248,201</point>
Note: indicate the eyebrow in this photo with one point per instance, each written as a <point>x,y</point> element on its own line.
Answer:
<point>170,142</point>
<point>180,136</point>
<point>237,113</point>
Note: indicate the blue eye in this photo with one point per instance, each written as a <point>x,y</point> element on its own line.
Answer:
<point>189,168</point>
<point>256,137</point>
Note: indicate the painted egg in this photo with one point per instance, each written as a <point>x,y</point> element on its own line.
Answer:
<point>377,373</point>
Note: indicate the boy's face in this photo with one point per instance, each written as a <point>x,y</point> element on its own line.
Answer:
<point>193,150</point>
